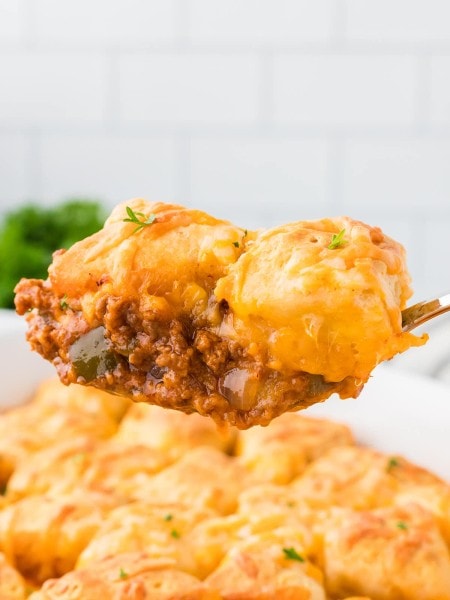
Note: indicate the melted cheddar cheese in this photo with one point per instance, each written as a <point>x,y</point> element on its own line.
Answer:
<point>193,313</point>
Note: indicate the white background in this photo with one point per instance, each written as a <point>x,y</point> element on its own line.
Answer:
<point>260,111</point>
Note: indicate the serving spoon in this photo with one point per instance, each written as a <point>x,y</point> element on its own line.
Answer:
<point>422,312</point>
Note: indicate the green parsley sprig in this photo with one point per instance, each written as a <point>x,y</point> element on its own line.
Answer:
<point>63,303</point>
<point>337,240</point>
<point>139,218</point>
<point>292,554</point>
<point>122,574</point>
<point>392,464</point>
<point>402,525</point>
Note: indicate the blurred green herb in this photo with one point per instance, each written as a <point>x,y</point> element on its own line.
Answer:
<point>337,240</point>
<point>30,234</point>
<point>63,302</point>
<point>292,554</point>
<point>133,217</point>
<point>391,464</point>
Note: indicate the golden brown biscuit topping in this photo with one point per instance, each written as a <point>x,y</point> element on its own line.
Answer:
<point>171,306</point>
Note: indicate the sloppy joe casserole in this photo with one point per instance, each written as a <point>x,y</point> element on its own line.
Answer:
<point>159,505</point>
<point>170,306</point>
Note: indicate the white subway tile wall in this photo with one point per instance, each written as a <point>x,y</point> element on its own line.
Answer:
<point>440,90</point>
<point>119,167</point>
<point>405,178</point>
<point>14,163</point>
<point>260,111</point>
<point>99,22</point>
<point>188,88</point>
<point>260,21</point>
<point>398,20</point>
<point>229,172</point>
<point>343,90</point>
<point>41,88</point>
<point>11,22</point>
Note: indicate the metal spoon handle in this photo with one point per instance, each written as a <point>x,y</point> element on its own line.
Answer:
<point>424,311</point>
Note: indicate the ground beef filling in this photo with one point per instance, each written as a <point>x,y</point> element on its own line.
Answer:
<point>177,363</point>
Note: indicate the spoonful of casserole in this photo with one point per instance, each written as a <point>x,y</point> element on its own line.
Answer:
<point>170,306</point>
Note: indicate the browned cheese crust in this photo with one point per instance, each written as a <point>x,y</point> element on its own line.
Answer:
<point>132,576</point>
<point>12,585</point>
<point>92,515</point>
<point>192,313</point>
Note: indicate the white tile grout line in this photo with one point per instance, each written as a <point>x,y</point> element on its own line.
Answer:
<point>335,173</point>
<point>181,25</point>
<point>335,45</point>
<point>29,25</point>
<point>339,25</point>
<point>422,94</point>
<point>224,130</point>
<point>34,165</point>
<point>183,170</point>
<point>265,90</point>
<point>112,99</point>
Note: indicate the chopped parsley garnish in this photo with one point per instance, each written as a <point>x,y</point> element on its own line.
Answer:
<point>168,517</point>
<point>175,534</point>
<point>392,463</point>
<point>63,302</point>
<point>402,525</point>
<point>292,554</point>
<point>122,574</point>
<point>139,219</point>
<point>236,244</point>
<point>337,240</point>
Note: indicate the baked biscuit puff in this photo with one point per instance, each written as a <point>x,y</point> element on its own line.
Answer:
<point>280,452</point>
<point>386,554</point>
<point>160,530</point>
<point>76,410</point>
<point>358,477</point>
<point>104,466</point>
<point>268,506</point>
<point>434,497</point>
<point>83,399</point>
<point>171,431</point>
<point>267,567</point>
<point>203,478</point>
<point>211,539</point>
<point>170,306</point>
<point>42,536</point>
<point>132,576</point>
<point>55,470</point>
<point>12,585</point>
